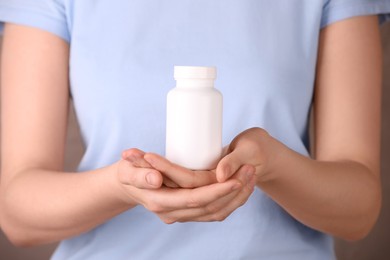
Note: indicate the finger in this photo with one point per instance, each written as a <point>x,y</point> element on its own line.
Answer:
<point>183,177</point>
<point>190,214</point>
<point>208,211</point>
<point>169,183</point>
<point>167,199</point>
<point>136,157</point>
<point>229,165</point>
<point>233,205</point>
<point>127,154</point>
<point>142,178</point>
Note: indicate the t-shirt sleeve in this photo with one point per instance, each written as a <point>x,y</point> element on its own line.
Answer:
<point>337,10</point>
<point>48,15</point>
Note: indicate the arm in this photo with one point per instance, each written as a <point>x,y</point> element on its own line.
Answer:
<point>338,192</point>
<point>38,202</point>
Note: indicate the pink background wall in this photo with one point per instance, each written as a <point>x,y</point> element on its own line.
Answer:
<point>375,247</point>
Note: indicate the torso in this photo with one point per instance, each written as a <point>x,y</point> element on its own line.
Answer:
<point>121,68</point>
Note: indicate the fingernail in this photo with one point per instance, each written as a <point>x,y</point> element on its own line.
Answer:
<point>249,176</point>
<point>236,186</point>
<point>152,179</point>
<point>131,158</point>
<point>252,183</point>
<point>226,170</point>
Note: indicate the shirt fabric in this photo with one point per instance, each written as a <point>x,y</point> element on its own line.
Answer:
<point>121,68</point>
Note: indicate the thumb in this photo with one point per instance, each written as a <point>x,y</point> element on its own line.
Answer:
<point>228,166</point>
<point>142,178</point>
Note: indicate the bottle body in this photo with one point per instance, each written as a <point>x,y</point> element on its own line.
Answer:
<point>194,124</point>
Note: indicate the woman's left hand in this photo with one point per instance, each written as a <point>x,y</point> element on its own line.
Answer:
<point>253,147</point>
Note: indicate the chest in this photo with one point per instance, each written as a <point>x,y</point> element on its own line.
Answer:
<point>124,51</point>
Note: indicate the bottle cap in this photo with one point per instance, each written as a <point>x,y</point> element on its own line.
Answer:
<point>193,72</point>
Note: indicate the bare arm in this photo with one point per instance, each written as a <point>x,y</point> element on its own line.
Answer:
<point>39,203</point>
<point>338,192</point>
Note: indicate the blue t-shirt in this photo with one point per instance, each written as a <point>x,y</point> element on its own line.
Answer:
<point>121,68</point>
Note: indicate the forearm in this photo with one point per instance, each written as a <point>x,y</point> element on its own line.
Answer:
<point>41,206</point>
<point>341,198</point>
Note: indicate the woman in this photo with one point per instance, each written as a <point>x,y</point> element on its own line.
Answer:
<point>266,199</point>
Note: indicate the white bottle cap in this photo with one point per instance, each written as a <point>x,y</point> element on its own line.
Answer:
<point>193,72</point>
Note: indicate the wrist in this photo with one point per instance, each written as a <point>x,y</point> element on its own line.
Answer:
<point>274,154</point>
<point>119,191</point>
<point>280,162</point>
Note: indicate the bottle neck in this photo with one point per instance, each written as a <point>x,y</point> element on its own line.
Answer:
<point>195,83</point>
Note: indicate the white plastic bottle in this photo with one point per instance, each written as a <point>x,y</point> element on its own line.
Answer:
<point>194,119</point>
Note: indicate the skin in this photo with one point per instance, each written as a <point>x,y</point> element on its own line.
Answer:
<point>337,191</point>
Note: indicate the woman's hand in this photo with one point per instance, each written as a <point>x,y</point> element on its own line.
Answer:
<point>199,198</point>
<point>253,147</point>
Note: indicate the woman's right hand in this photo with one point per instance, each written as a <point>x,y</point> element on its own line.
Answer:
<point>212,201</point>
